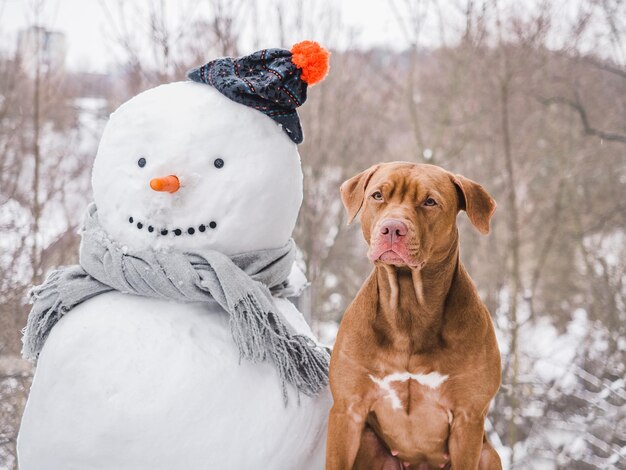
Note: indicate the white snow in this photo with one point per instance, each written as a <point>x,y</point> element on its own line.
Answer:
<point>327,332</point>
<point>552,354</point>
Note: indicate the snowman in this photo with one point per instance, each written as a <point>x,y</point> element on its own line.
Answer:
<point>173,344</point>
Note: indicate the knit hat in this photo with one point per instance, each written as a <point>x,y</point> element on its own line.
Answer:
<point>273,81</point>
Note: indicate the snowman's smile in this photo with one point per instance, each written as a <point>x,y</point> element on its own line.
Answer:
<point>202,228</point>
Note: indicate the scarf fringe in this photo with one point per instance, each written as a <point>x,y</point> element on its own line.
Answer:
<point>46,312</point>
<point>298,359</point>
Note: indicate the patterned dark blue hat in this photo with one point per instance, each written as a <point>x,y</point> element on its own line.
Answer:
<point>273,81</point>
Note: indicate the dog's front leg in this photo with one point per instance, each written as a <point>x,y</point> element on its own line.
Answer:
<point>345,427</point>
<point>466,440</point>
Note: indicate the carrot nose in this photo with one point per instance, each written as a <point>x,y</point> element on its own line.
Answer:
<point>168,184</point>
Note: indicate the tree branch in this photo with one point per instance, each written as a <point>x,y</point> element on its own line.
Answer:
<point>584,119</point>
<point>606,66</point>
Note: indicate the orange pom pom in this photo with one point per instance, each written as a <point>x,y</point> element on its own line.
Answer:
<point>312,59</point>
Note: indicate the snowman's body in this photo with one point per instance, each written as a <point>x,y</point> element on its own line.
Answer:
<point>128,382</point>
<point>131,383</point>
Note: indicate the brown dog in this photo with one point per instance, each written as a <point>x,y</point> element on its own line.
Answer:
<point>416,362</point>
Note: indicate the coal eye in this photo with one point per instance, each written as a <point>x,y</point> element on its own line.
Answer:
<point>141,162</point>
<point>219,163</point>
<point>430,202</point>
<point>377,195</point>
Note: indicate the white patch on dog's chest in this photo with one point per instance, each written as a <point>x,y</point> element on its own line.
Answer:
<point>432,380</point>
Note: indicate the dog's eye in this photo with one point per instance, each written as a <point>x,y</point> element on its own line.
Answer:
<point>377,195</point>
<point>430,202</point>
<point>141,162</point>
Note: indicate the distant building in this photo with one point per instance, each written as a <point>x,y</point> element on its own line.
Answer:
<point>51,45</point>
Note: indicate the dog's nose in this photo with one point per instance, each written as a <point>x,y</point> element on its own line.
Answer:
<point>393,228</point>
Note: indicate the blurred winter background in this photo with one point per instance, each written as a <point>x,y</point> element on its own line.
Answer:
<point>528,98</point>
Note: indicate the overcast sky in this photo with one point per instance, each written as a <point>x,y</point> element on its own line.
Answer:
<point>84,24</point>
<point>91,48</point>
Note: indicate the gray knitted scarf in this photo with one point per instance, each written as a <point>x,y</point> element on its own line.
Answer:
<point>242,285</point>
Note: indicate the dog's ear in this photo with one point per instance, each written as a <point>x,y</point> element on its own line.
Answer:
<point>353,191</point>
<point>476,201</point>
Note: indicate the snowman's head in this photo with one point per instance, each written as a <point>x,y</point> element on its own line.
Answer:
<point>183,167</point>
